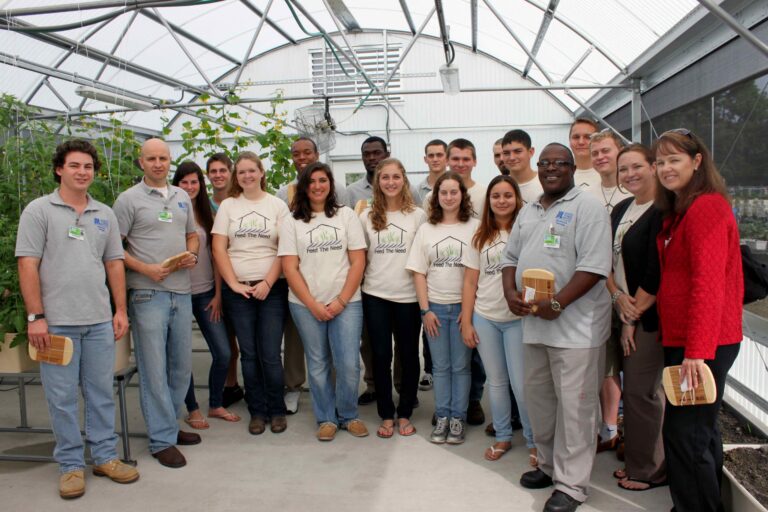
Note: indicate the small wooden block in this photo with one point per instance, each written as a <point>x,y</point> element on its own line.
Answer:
<point>174,261</point>
<point>705,394</point>
<point>59,352</point>
<point>543,281</point>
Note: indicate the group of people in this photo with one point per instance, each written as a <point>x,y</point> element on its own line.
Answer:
<point>308,273</point>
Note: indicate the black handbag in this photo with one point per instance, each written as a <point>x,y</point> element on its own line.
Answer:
<point>755,277</point>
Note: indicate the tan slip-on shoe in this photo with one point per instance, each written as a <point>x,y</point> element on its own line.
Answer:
<point>357,428</point>
<point>117,471</point>
<point>326,431</point>
<point>72,484</point>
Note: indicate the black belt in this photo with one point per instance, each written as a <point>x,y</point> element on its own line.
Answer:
<point>251,283</point>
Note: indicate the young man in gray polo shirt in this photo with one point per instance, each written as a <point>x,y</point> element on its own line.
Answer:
<point>68,247</point>
<point>156,221</point>
<point>567,231</point>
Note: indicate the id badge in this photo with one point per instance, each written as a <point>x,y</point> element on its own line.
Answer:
<point>552,241</point>
<point>165,216</point>
<point>76,232</point>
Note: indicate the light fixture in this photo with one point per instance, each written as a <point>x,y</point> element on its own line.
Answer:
<point>116,99</point>
<point>449,75</point>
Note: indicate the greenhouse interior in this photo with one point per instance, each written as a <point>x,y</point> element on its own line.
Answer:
<point>153,87</point>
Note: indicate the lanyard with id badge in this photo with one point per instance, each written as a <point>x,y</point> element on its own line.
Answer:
<point>76,233</point>
<point>165,215</point>
<point>551,240</point>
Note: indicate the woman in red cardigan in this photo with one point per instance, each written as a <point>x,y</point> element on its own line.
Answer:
<point>699,304</point>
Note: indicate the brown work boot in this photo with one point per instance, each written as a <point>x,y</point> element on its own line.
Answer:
<point>257,426</point>
<point>72,484</point>
<point>357,428</point>
<point>278,424</point>
<point>187,438</point>
<point>117,471</point>
<point>170,457</point>
<point>326,431</point>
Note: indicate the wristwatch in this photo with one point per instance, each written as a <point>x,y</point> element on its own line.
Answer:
<point>425,311</point>
<point>35,316</point>
<point>555,305</point>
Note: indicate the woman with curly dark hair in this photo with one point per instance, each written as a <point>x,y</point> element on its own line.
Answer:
<point>322,248</point>
<point>438,274</point>
<point>389,297</point>
<point>700,306</point>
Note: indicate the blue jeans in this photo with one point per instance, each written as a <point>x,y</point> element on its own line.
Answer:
<point>501,347</point>
<point>330,345</point>
<point>215,335</point>
<point>451,360</point>
<point>259,325</point>
<point>161,324</point>
<point>91,368</point>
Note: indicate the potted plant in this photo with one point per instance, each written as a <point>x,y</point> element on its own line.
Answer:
<point>745,483</point>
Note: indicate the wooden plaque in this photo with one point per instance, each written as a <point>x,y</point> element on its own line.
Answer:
<point>173,261</point>
<point>360,206</point>
<point>706,393</point>
<point>59,352</point>
<point>543,281</point>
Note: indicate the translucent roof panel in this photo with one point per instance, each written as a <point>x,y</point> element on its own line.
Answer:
<point>172,52</point>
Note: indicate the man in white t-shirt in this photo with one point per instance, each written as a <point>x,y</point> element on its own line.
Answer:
<point>578,138</point>
<point>604,148</point>
<point>517,153</point>
<point>498,159</point>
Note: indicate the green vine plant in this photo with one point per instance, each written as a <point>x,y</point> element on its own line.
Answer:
<point>218,129</point>
<point>27,145</point>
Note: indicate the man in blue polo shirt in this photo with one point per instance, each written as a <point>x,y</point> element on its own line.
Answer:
<point>68,247</point>
<point>156,221</point>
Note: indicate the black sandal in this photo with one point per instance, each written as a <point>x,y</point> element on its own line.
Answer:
<point>651,485</point>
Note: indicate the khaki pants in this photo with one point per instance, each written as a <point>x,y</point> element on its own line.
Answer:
<point>562,395</point>
<point>294,369</point>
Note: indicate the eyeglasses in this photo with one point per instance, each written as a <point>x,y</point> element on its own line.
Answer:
<point>682,131</point>
<point>545,164</point>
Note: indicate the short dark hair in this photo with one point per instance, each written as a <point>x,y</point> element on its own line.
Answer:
<point>519,136</point>
<point>583,120</point>
<point>374,138</point>
<point>436,142</point>
<point>314,145</point>
<point>462,144</point>
<point>71,146</point>
<point>219,157</point>
<point>566,148</point>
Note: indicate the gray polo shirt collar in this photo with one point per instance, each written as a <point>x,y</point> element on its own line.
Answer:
<point>55,198</point>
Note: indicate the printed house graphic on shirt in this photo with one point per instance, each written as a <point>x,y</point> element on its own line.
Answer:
<point>391,237</point>
<point>252,223</point>
<point>448,251</point>
<point>492,256</point>
<point>324,235</point>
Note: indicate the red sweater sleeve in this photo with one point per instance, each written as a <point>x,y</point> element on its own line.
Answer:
<point>707,239</point>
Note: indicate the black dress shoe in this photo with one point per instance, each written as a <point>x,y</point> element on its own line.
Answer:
<point>367,398</point>
<point>187,438</point>
<point>475,414</point>
<point>561,502</point>
<point>231,395</point>
<point>536,479</point>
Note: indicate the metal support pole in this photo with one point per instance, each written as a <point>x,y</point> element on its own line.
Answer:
<point>596,115</point>
<point>735,25</point>
<point>253,42</point>
<point>408,49</point>
<point>519,42</point>
<point>407,14</point>
<point>637,115</point>
<point>23,404</point>
<point>577,64</point>
<point>545,21</point>
<point>50,87</point>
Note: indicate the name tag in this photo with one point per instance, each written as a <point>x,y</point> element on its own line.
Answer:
<point>165,216</point>
<point>552,241</point>
<point>76,233</point>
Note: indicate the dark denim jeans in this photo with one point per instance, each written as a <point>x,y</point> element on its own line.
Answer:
<point>384,319</point>
<point>215,335</point>
<point>259,328</point>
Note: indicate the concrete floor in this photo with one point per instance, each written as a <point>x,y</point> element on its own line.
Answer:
<point>232,470</point>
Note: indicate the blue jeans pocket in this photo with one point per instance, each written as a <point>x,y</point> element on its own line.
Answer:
<point>142,296</point>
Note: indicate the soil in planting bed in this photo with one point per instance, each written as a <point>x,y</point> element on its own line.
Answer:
<point>748,466</point>
<point>736,431</point>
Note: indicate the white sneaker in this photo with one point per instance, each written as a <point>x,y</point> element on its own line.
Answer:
<point>292,401</point>
<point>425,384</point>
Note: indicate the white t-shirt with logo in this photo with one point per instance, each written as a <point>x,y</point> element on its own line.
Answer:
<point>437,252</point>
<point>321,245</point>
<point>388,249</point>
<point>490,302</point>
<point>252,229</point>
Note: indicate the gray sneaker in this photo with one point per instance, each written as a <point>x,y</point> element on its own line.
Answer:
<point>440,432</point>
<point>456,435</point>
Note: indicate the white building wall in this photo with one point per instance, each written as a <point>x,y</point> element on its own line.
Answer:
<point>479,117</point>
